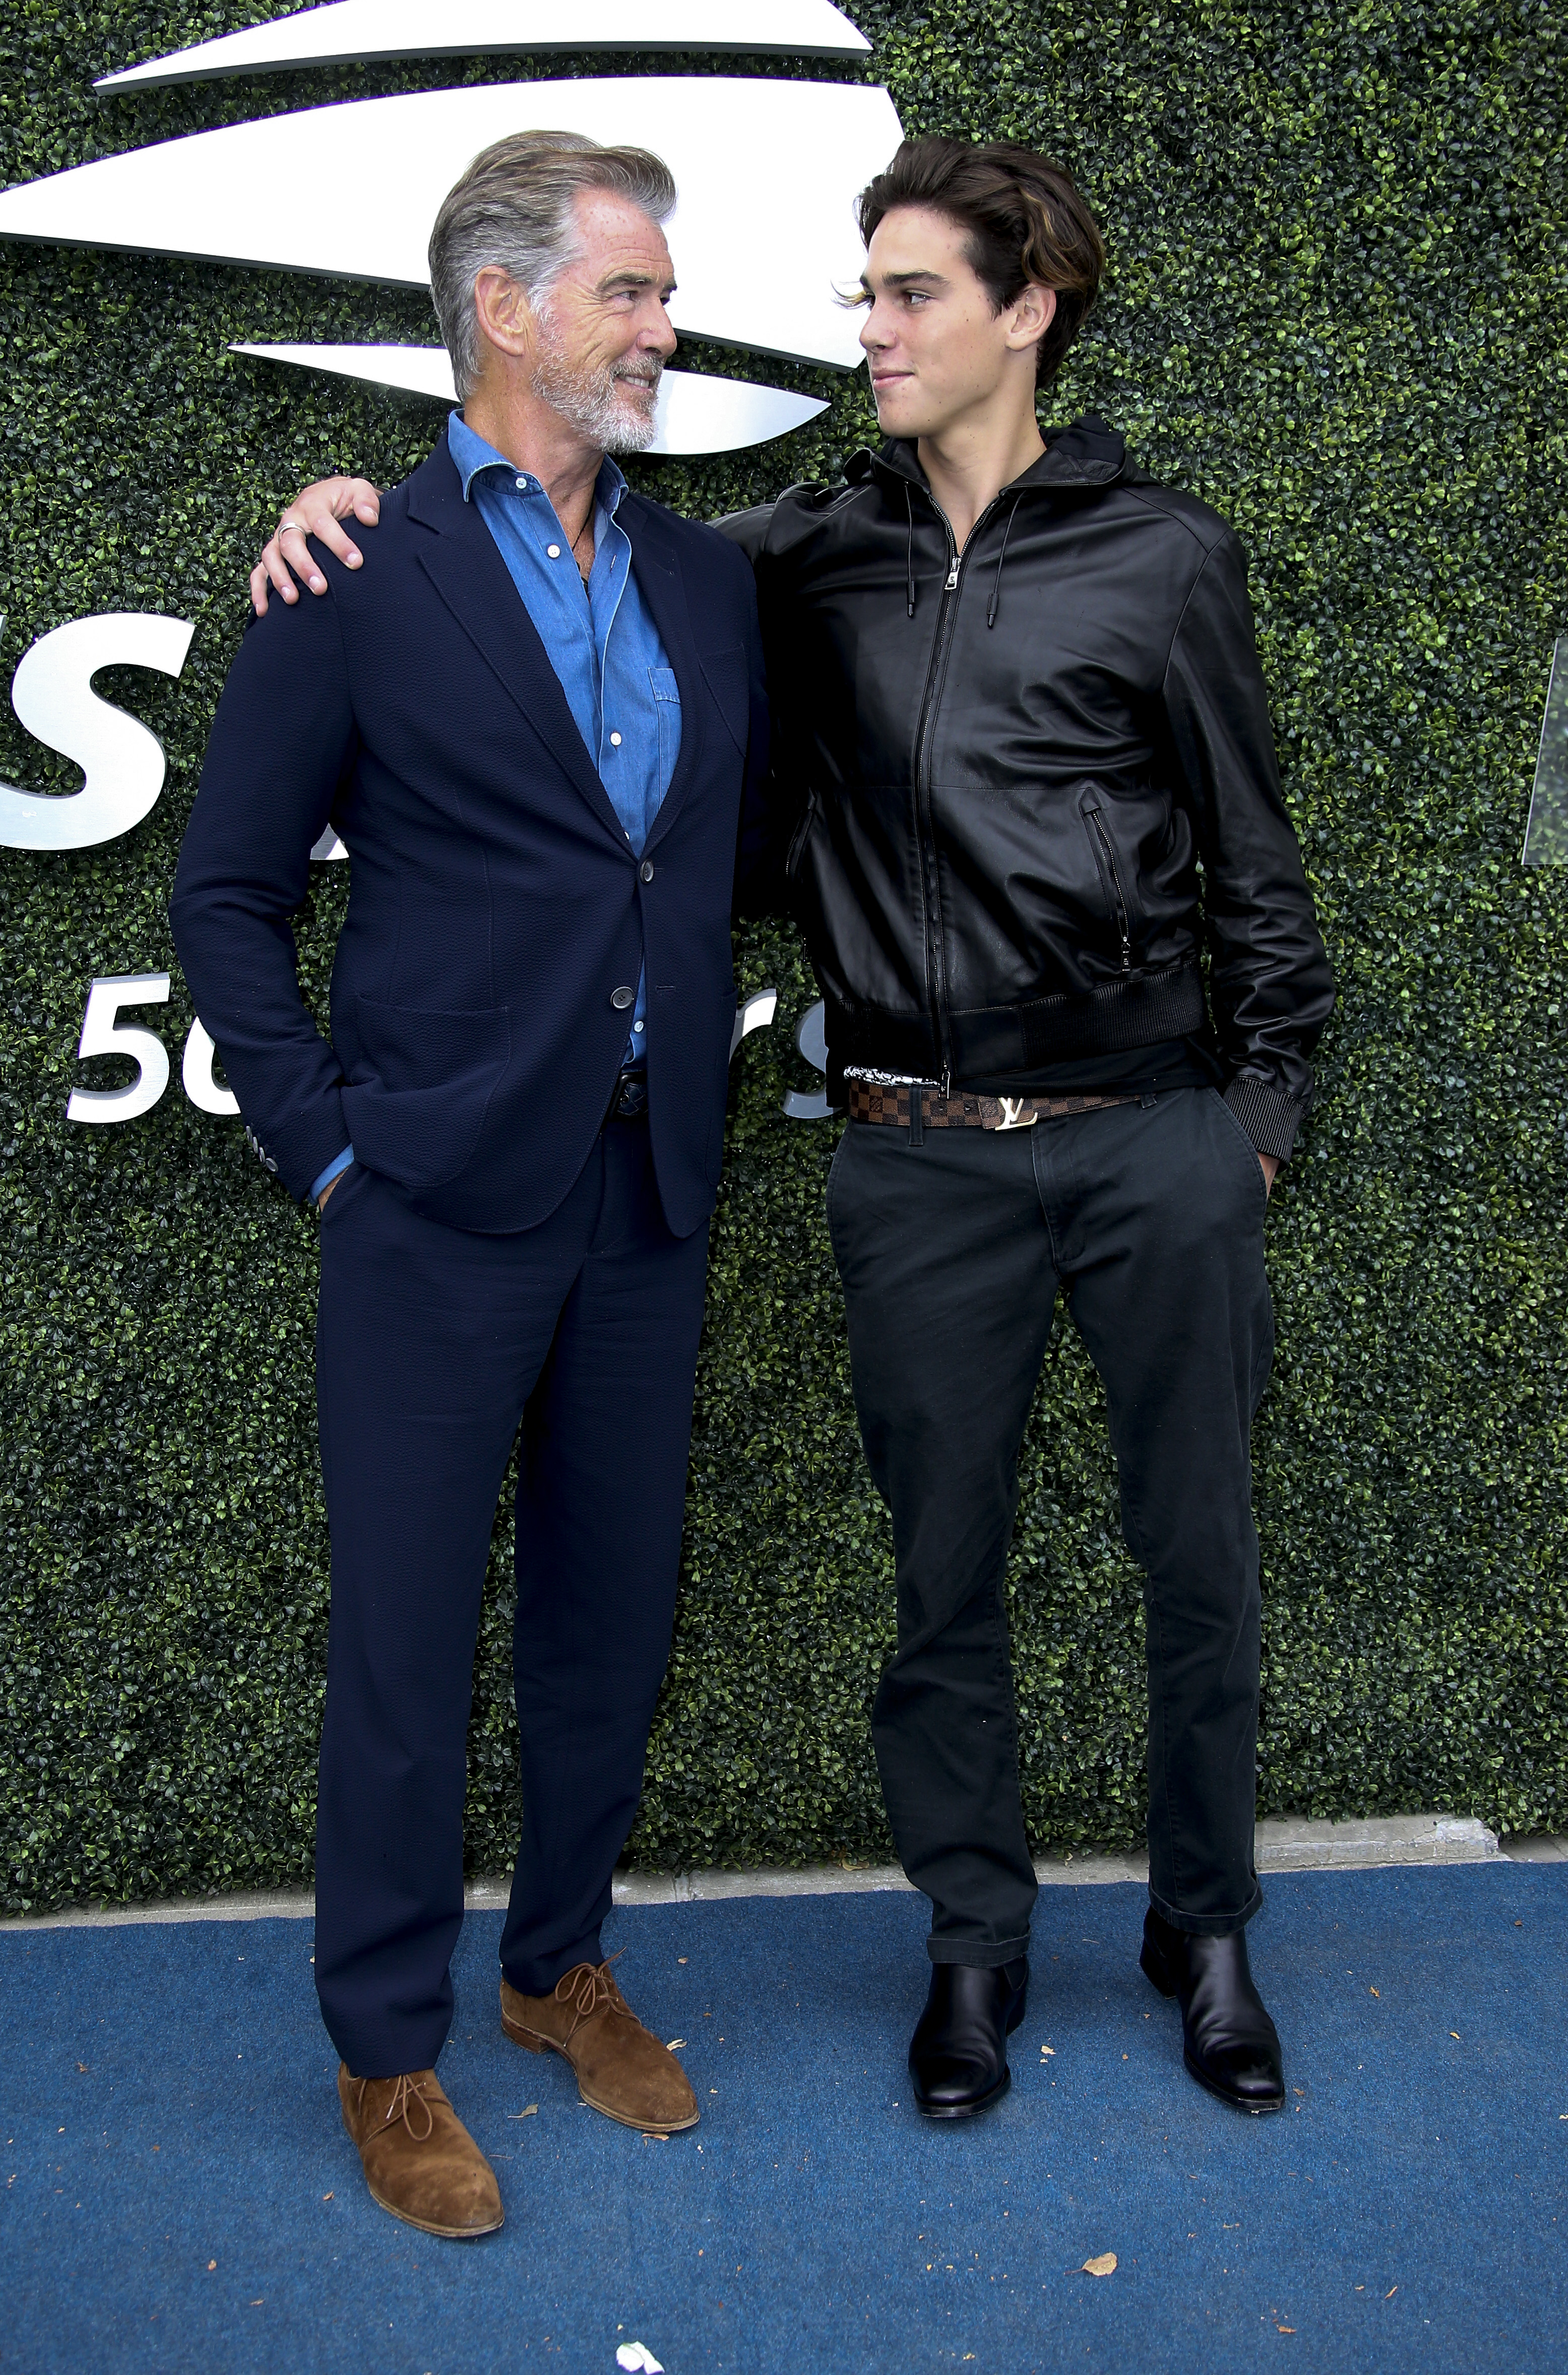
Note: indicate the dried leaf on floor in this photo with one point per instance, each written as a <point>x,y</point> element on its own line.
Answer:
<point>1104,2265</point>
<point>674,2045</point>
<point>525,2113</point>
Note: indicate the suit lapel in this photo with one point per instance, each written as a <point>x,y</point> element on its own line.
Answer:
<point>662,586</point>
<point>469,574</point>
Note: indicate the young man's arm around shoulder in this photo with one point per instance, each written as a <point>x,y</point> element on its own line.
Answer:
<point>759,873</point>
<point>767,807</point>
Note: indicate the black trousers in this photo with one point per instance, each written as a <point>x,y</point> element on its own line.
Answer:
<point>432,1346</point>
<point>953,1247</point>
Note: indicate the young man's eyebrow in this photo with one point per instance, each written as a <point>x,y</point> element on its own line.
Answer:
<point>908,279</point>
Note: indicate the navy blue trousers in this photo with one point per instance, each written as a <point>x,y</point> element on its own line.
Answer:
<point>432,1346</point>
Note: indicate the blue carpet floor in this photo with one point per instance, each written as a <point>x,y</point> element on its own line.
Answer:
<point>180,2193</point>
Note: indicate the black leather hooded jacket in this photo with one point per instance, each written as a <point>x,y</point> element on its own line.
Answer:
<point>1003,774</point>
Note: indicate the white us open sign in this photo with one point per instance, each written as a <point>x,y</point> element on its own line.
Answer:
<point>124,767</point>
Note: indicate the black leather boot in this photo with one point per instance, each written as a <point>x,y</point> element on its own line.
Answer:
<point>958,2056</point>
<point>1228,2040</point>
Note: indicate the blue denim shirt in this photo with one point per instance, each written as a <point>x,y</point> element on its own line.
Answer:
<point>602,644</point>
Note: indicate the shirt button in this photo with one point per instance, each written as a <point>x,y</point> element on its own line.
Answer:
<point>554,550</point>
<point>622,998</point>
<point>522,486</point>
<point>614,741</point>
<point>647,869</point>
<point>638,1026</point>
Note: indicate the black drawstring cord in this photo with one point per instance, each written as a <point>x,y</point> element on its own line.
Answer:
<point>909,552</point>
<point>996,588</point>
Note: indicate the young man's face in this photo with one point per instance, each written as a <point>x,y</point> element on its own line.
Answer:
<point>936,348</point>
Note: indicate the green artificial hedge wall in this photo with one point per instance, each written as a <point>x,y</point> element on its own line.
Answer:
<point>1336,309</point>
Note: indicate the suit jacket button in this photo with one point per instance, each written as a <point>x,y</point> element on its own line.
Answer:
<point>622,998</point>
<point>646,869</point>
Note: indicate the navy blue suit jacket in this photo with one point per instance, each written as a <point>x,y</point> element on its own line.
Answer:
<point>495,903</point>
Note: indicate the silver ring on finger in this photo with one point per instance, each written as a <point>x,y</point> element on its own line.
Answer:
<point>284,526</point>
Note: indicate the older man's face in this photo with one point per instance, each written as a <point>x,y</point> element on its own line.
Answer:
<point>604,333</point>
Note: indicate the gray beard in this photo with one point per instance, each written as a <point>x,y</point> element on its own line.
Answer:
<point>596,403</point>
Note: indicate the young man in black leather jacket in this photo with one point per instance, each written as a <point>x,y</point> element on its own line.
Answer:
<point>1024,775</point>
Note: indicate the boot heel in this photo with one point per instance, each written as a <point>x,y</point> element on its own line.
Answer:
<point>1156,1969</point>
<point>524,2037</point>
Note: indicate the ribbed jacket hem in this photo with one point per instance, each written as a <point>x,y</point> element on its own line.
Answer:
<point>1143,1010</point>
<point>1269,1115</point>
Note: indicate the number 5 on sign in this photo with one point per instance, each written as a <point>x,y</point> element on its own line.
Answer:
<point>104,1035</point>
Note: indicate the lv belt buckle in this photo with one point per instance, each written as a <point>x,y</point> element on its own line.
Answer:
<point>1014,1116</point>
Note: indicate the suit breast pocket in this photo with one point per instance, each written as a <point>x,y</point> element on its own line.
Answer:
<point>666,715</point>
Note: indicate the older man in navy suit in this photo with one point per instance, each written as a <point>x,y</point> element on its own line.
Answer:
<point>534,724</point>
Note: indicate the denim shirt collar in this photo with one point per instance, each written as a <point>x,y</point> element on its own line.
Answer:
<point>472,455</point>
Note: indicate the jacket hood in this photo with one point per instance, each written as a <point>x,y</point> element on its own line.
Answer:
<point>1085,453</point>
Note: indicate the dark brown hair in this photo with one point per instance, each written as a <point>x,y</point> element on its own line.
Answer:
<point>1026,222</point>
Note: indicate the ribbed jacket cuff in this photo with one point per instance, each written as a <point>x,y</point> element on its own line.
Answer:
<point>1269,1116</point>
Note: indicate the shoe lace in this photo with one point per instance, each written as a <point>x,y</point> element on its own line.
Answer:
<point>588,1988</point>
<point>406,2092</point>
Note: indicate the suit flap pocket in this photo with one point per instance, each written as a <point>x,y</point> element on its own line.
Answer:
<point>418,1097</point>
<point>422,1047</point>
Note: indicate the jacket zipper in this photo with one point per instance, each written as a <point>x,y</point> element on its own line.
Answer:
<point>936,965</point>
<point>1105,840</point>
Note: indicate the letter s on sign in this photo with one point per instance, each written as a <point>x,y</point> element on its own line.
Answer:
<point>51,693</point>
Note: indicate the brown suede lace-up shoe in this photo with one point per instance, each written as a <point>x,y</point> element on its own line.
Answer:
<point>421,2161</point>
<point>621,2070</point>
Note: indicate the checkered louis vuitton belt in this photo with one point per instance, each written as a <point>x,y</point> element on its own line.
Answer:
<point>878,1102</point>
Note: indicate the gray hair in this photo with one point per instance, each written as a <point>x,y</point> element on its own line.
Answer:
<point>514,210</point>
